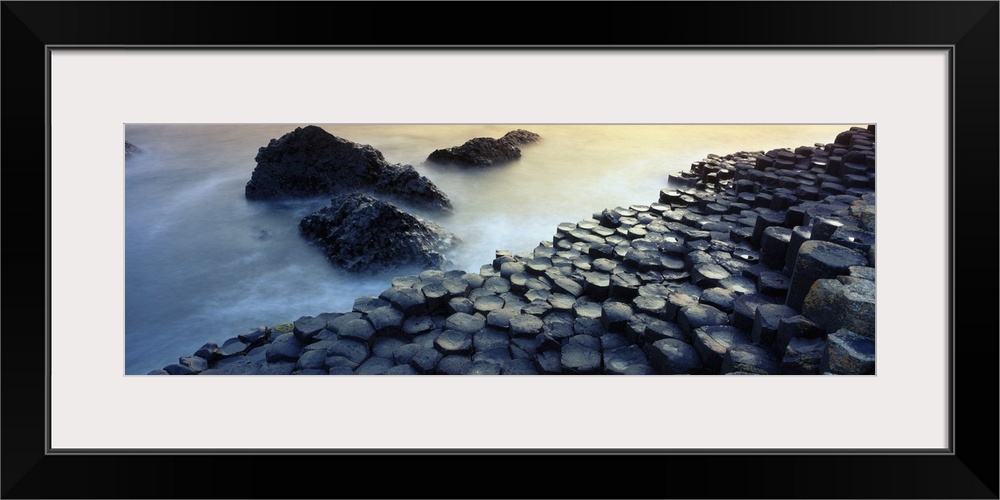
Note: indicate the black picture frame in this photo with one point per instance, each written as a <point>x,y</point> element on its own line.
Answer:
<point>970,28</point>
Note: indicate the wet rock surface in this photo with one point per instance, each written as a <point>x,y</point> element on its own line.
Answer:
<point>310,162</point>
<point>485,151</point>
<point>759,263</point>
<point>364,234</point>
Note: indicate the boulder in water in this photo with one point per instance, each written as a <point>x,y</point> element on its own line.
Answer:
<point>364,234</point>
<point>131,149</point>
<point>485,151</point>
<point>309,161</point>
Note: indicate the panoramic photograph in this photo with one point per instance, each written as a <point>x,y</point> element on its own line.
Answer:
<point>499,249</point>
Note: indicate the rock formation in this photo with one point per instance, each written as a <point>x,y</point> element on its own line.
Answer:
<point>310,161</point>
<point>363,234</point>
<point>131,149</point>
<point>765,264</point>
<point>485,151</point>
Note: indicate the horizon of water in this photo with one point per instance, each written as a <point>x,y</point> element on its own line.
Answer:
<point>203,264</point>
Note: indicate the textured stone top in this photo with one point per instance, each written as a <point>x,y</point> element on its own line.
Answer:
<point>310,161</point>
<point>485,151</point>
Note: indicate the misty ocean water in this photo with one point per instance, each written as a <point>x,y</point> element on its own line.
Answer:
<point>203,264</point>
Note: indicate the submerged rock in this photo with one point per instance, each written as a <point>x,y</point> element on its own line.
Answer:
<point>310,161</point>
<point>485,151</point>
<point>131,149</point>
<point>361,233</point>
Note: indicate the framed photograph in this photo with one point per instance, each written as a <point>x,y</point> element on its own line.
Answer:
<point>212,77</point>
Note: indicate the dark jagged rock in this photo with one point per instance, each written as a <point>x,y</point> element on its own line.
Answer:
<point>848,353</point>
<point>749,358</point>
<point>131,149</point>
<point>310,162</point>
<point>485,151</point>
<point>363,234</point>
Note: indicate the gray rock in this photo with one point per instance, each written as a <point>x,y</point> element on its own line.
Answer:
<point>712,342</point>
<point>436,296</point>
<point>385,347</point>
<point>408,300</point>
<point>567,286</point>
<point>588,341</point>
<point>306,327</point>
<point>254,335</point>
<point>548,362</point>
<point>426,360</point>
<point>454,365</point>
<point>525,325</point>
<point>131,149</point>
<point>767,319</point>
<point>577,359</point>
<point>490,337</point>
<point>624,360</point>
<point>496,285</point>
<point>466,323</point>
<point>358,329</point>
<point>520,367</point>
<point>310,162</point>
<point>499,355</point>
<point>611,341</point>
<point>311,371</point>
<point>585,307</point>
<point>696,316</point>
<point>374,366</point>
<point>846,302</point>
<point>588,326</point>
<point>615,315</point>
<point>750,359</point>
<point>848,353</point>
<point>311,359</point>
<point>367,304</point>
<point>286,347</point>
<point>803,356</point>
<point>341,362</point>
<point>401,370</point>
<point>485,151</point>
<point>483,368</point>
<point>797,326</point>
<point>209,352</point>
<point>454,342</point>
<point>279,368</point>
<point>745,310</point>
<point>460,305</point>
<point>386,320</point>
<point>237,366</point>
<point>415,325</point>
<point>720,298</point>
<point>363,234</point>
<point>403,354</point>
<point>427,339</point>
<point>672,356</point>
<point>653,306</point>
<point>233,347</point>
<point>179,369</point>
<point>351,349</point>
<point>339,322</point>
<point>819,260</point>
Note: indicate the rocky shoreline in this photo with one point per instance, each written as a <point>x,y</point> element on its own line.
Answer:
<point>751,263</point>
